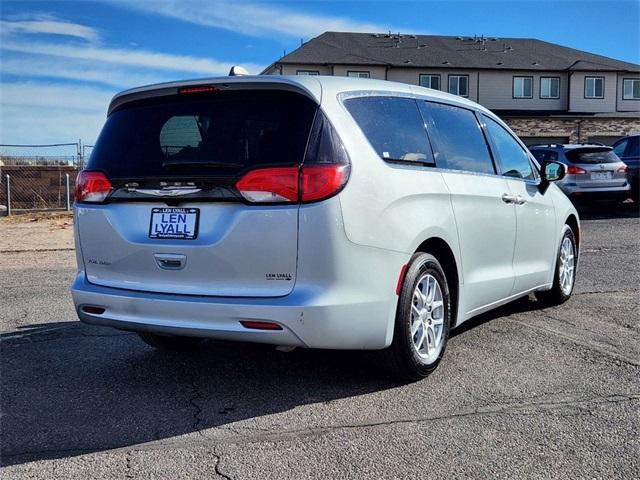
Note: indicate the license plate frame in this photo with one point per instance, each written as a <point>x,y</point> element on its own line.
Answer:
<point>601,175</point>
<point>175,226</point>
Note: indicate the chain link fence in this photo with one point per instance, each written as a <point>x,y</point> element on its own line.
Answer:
<point>39,177</point>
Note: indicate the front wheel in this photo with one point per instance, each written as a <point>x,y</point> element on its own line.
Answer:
<point>422,320</point>
<point>565,275</point>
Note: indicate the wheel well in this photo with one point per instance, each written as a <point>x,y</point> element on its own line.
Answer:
<point>572,221</point>
<point>441,250</point>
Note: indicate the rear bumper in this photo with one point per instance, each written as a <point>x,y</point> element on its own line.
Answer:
<point>576,191</point>
<point>307,319</point>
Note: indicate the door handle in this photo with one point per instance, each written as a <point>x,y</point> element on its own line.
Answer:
<point>520,200</point>
<point>506,198</point>
<point>170,261</point>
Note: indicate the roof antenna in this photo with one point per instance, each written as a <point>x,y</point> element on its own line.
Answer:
<point>301,42</point>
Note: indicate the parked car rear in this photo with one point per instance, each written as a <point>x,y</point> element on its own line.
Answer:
<point>628,149</point>
<point>315,212</point>
<point>594,172</point>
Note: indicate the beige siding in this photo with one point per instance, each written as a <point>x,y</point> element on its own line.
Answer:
<point>293,69</point>
<point>496,91</point>
<point>626,105</point>
<point>374,72</point>
<point>412,76</point>
<point>577,102</point>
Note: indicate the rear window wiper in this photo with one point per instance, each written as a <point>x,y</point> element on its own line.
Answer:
<point>200,163</point>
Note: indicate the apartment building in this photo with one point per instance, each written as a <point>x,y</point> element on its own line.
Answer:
<point>544,91</point>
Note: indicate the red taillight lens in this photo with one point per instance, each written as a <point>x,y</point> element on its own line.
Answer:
<point>623,169</point>
<point>573,170</point>
<point>92,187</point>
<point>293,184</point>
<point>322,181</point>
<point>257,325</point>
<point>268,185</point>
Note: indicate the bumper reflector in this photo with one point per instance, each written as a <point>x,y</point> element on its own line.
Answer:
<point>255,325</point>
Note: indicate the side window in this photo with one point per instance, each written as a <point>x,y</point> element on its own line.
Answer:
<point>545,155</point>
<point>393,126</point>
<point>620,147</point>
<point>458,142</point>
<point>514,160</point>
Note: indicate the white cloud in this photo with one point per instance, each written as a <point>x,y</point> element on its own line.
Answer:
<point>32,112</point>
<point>51,26</point>
<point>137,58</point>
<point>251,18</point>
<point>82,71</point>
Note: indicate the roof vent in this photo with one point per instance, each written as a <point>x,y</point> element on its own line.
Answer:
<point>407,61</point>
<point>422,45</point>
<point>446,62</point>
<point>238,71</point>
<point>500,63</point>
<point>535,63</point>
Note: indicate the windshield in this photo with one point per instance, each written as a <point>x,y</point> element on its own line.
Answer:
<point>592,155</point>
<point>220,134</point>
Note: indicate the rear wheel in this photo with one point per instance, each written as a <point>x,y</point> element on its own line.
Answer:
<point>422,319</point>
<point>169,342</point>
<point>565,274</point>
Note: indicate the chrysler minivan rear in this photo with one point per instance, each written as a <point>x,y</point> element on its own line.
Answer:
<point>203,207</point>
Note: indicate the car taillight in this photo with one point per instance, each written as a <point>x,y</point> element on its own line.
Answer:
<point>324,172</point>
<point>92,187</point>
<point>268,185</point>
<point>293,184</point>
<point>573,170</point>
<point>623,169</point>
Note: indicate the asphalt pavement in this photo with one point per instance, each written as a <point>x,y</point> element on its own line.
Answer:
<point>523,392</point>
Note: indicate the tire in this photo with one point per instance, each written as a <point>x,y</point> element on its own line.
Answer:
<point>559,292</point>
<point>405,358</point>
<point>169,343</point>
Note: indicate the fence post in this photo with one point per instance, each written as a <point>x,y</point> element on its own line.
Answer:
<point>67,192</point>
<point>8,177</point>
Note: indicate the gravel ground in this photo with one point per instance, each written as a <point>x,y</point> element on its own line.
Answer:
<point>522,392</point>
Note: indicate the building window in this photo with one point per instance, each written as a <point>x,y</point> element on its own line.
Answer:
<point>631,89</point>
<point>593,87</point>
<point>549,87</point>
<point>355,74</point>
<point>459,85</point>
<point>307,72</point>
<point>430,81</point>
<point>522,87</point>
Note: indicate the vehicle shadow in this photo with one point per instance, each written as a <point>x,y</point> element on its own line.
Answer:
<point>70,389</point>
<point>604,210</point>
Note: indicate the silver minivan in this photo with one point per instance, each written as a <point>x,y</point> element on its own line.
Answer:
<point>317,212</point>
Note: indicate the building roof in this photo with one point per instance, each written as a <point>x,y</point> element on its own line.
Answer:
<point>435,51</point>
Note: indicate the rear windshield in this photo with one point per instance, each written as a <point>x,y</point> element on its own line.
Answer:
<point>219,134</point>
<point>592,155</point>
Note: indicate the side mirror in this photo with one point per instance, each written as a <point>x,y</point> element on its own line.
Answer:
<point>551,172</point>
<point>554,171</point>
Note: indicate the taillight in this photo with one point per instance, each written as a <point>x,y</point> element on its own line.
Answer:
<point>268,185</point>
<point>92,187</point>
<point>324,172</point>
<point>292,184</point>
<point>573,170</point>
<point>318,182</point>
<point>623,169</point>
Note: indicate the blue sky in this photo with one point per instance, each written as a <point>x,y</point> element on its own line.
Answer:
<point>60,62</point>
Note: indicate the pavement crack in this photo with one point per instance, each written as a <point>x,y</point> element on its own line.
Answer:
<point>197,409</point>
<point>218,457</point>
<point>128,473</point>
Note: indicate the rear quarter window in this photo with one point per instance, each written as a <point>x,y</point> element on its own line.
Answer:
<point>393,126</point>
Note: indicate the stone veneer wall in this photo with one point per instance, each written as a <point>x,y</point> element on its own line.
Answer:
<point>577,129</point>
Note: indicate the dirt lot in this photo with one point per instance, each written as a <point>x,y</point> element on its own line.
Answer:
<point>523,392</point>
